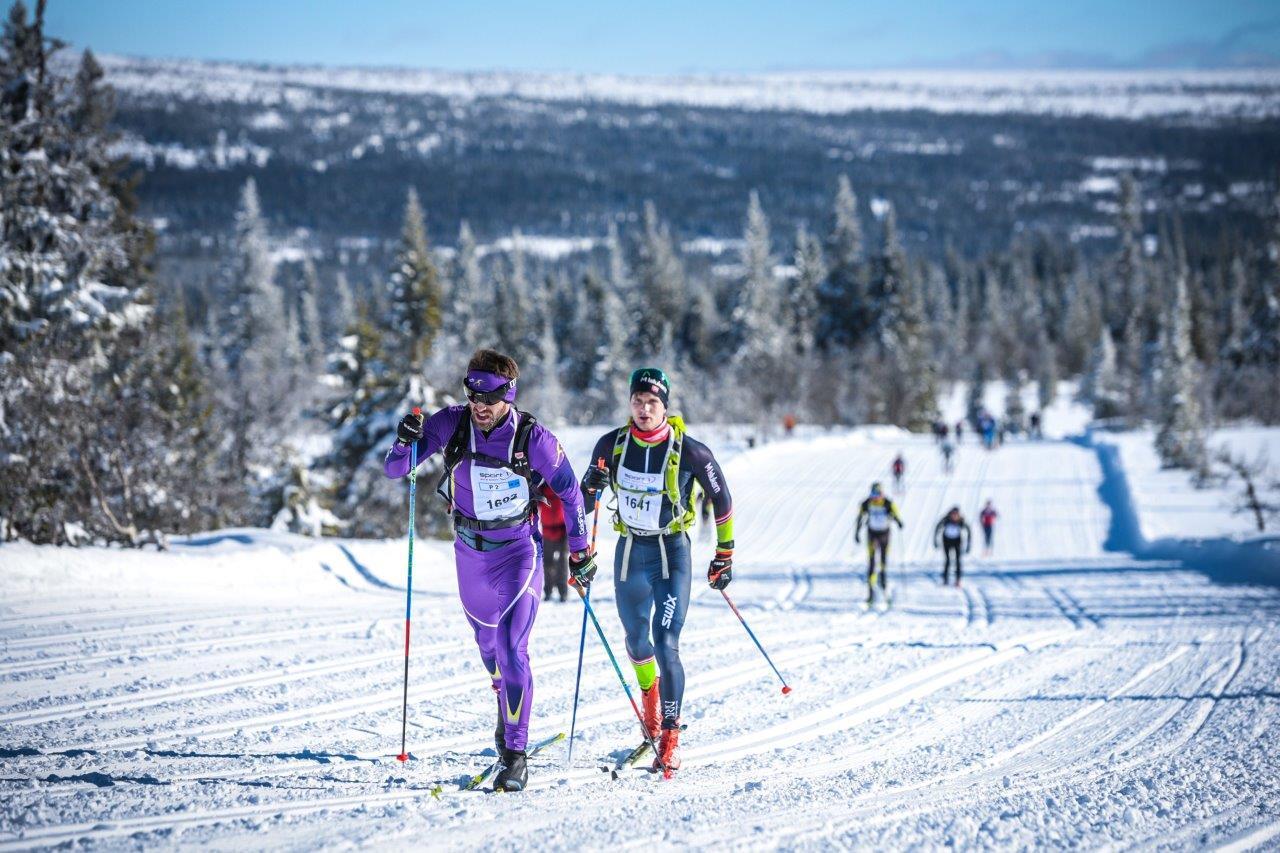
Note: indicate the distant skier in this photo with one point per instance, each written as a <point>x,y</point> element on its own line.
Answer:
<point>899,468</point>
<point>987,518</point>
<point>948,451</point>
<point>959,432</point>
<point>652,465</point>
<point>877,511</point>
<point>495,458</point>
<point>555,545</point>
<point>1035,426</point>
<point>950,533</point>
<point>987,425</point>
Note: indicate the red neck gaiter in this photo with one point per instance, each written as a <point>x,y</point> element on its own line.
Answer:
<point>653,436</point>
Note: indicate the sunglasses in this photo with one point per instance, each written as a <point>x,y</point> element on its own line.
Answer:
<point>488,398</point>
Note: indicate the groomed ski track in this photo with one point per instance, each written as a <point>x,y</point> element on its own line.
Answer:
<point>246,692</point>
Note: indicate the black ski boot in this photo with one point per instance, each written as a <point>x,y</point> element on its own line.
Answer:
<point>514,774</point>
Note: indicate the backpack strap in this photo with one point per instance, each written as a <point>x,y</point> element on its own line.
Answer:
<point>458,448</point>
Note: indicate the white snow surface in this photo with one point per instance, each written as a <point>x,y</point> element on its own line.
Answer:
<point>1167,504</point>
<point>1116,94</point>
<point>243,690</point>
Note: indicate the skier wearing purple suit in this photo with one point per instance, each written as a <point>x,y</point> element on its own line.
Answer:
<point>496,459</point>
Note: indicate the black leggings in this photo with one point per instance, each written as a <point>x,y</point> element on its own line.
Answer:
<point>877,540</point>
<point>555,564</point>
<point>948,547</point>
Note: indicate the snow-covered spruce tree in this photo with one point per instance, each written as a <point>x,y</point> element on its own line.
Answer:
<point>1180,427</point>
<point>975,403</point>
<point>548,398</point>
<point>340,313</point>
<point>93,441</point>
<point>903,372</point>
<point>309,326</point>
<point>1015,413</point>
<point>844,293</point>
<point>471,307</point>
<point>260,399</point>
<point>1127,291</point>
<point>375,396</point>
<point>1082,326</point>
<point>413,292</point>
<point>1257,373</point>
<point>515,333</point>
<point>762,342</point>
<point>661,284</point>
<point>1102,387</point>
<point>802,314</point>
<point>1046,370</point>
<point>607,360</point>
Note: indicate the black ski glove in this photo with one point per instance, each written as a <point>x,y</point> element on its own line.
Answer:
<point>410,429</point>
<point>582,565</point>
<point>720,572</point>
<point>595,480</point>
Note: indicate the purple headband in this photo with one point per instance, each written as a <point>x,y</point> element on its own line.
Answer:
<point>483,382</point>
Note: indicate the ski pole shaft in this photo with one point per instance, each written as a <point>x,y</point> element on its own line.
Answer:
<point>618,670</point>
<point>582,639</point>
<point>408,593</point>
<point>786,688</point>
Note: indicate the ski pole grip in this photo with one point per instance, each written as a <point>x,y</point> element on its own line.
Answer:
<point>417,410</point>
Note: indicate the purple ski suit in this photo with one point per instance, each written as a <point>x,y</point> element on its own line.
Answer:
<point>500,586</point>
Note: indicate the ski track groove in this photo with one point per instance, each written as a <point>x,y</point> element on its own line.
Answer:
<point>799,557</point>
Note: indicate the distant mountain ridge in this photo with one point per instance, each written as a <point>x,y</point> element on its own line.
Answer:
<point>1108,93</point>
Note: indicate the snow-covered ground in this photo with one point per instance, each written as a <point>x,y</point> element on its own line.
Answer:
<point>243,690</point>
<point>1168,507</point>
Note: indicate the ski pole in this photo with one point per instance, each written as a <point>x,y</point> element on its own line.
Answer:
<point>786,688</point>
<point>408,593</point>
<point>617,669</point>
<point>582,638</point>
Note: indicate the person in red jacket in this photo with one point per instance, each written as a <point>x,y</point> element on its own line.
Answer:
<point>988,518</point>
<point>555,546</point>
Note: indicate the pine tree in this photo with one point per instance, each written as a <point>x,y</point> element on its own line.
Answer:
<point>364,420</point>
<point>904,387</point>
<point>472,301</point>
<point>1102,387</point>
<point>762,344</point>
<point>260,356</point>
<point>1083,324</point>
<point>1179,435</point>
<point>341,313</point>
<point>662,284</point>
<point>610,368</point>
<point>414,291</point>
<point>515,335</point>
<point>312,335</point>
<point>1046,370</point>
<point>549,393</point>
<point>844,295</point>
<point>802,302</point>
<point>93,444</point>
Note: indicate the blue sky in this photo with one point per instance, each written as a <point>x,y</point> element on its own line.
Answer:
<point>659,37</point>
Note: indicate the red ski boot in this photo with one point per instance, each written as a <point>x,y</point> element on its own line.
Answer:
<point>668,760</point>
<point>652,709</point>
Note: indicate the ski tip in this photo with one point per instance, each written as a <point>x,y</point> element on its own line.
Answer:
<point>404,756</point>
<point>786,691</point>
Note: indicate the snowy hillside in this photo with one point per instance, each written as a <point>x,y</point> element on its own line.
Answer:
<point>244,689</point>
<point>1114,94</point>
